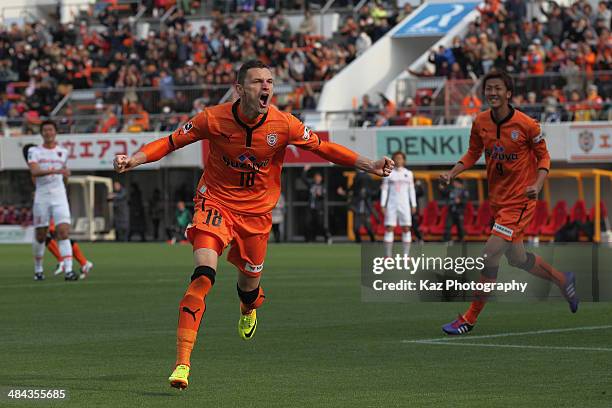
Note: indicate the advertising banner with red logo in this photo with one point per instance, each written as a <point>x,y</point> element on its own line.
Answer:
<point>97,151</point>
<point>590,142</point>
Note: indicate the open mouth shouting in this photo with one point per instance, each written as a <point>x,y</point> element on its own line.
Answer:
<point>264,100</point>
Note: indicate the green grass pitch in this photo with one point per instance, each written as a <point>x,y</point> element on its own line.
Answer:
<point>110,340</point>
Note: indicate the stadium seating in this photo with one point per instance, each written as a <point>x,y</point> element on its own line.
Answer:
<point>430,217</point>
<point>557,220</point>
<point>438,228</point>
<point>578,212</point>
<point>539,219</point>
<point>482,223</point>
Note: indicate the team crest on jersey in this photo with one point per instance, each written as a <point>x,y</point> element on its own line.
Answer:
<point>586,140</point>
<point>271,138</point>
<point>187,127</point>
<point>307,133</point>
<point>514,135</point>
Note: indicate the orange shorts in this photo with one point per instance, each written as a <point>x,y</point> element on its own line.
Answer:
<point>215,227</point>
<point>510,222</point>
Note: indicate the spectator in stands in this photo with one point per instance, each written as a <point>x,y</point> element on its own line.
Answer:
<point>578,108</point>
<point>471,104</point>
<point>66,123</point>
<point>308,26</point>
<point>367,112</point>
<point>309,101</point>
<point>456,72</point>
<point>166,87</point>
<point>138,120</point>
<point>488,52</point>
<point>552,113</point>
<point>594,101</point>
<point>442,59</point>
<point>108,121</point>
<point>404,12</point>
<point>363,43</point>
<point>388,111</point>
<point>5,105</point>
<point>25,217</point>
<point>532,108</point>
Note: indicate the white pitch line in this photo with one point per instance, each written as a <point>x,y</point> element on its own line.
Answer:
<point>526,333</point>
<point>565,348</point>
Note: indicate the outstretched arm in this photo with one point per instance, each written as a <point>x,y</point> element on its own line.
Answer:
<point>194,130</point>
<point>302,137</point>
<point>343,156</point>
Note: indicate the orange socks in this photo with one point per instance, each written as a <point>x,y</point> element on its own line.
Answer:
<point>76,252</point>
<point>54,249</point>
<point>191,310</point>
<point>544,270</point>
<point>489,274</point>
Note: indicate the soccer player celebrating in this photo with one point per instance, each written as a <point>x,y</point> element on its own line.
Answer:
<point>236,194</point>
<point>48,167</point>
<point>517,164</point>
<point>398,200</point>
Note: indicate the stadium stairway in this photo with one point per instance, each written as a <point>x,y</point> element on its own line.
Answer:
<point>404,45</point>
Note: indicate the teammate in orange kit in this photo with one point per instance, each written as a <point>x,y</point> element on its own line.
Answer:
<point>236,194</point>
<point>517,164</point>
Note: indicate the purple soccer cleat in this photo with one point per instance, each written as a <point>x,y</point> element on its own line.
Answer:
<point>457,327</point>
<point>569,291</point>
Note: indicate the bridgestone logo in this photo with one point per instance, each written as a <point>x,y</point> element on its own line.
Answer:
<point>503,230</point>
<point>253,268</point>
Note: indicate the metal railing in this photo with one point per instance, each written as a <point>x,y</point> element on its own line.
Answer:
<point>375,117</point>
<point>449,93</point>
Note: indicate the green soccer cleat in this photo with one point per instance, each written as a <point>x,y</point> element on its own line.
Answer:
<point>247,324</point>
<point>180,377</point>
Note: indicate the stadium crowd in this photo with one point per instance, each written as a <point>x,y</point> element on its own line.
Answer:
<point>553,57</point>
<point>155,82</point>
<point>190,67</point>
<point>12,215</point>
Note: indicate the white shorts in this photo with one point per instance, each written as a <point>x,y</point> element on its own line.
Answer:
<point>394,214</point>
<point>46,208</point>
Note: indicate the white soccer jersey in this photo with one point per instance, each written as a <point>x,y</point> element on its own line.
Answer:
<point>49,159</point>
<point>397,190</point>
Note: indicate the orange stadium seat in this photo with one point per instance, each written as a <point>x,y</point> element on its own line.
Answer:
<point>438,228</point>
<point>482,223</point>
<point>603,212</point>
<point>430,216</point>
<point>557,219</point>
<point>578,212</point>
<point>539,219</point>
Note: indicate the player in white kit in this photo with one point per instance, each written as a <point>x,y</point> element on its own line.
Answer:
<point>398,200</point>
<point>48,168</point>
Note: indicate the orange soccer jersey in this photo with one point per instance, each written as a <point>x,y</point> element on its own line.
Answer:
<point>514,151</point>
<point>243,168</point>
